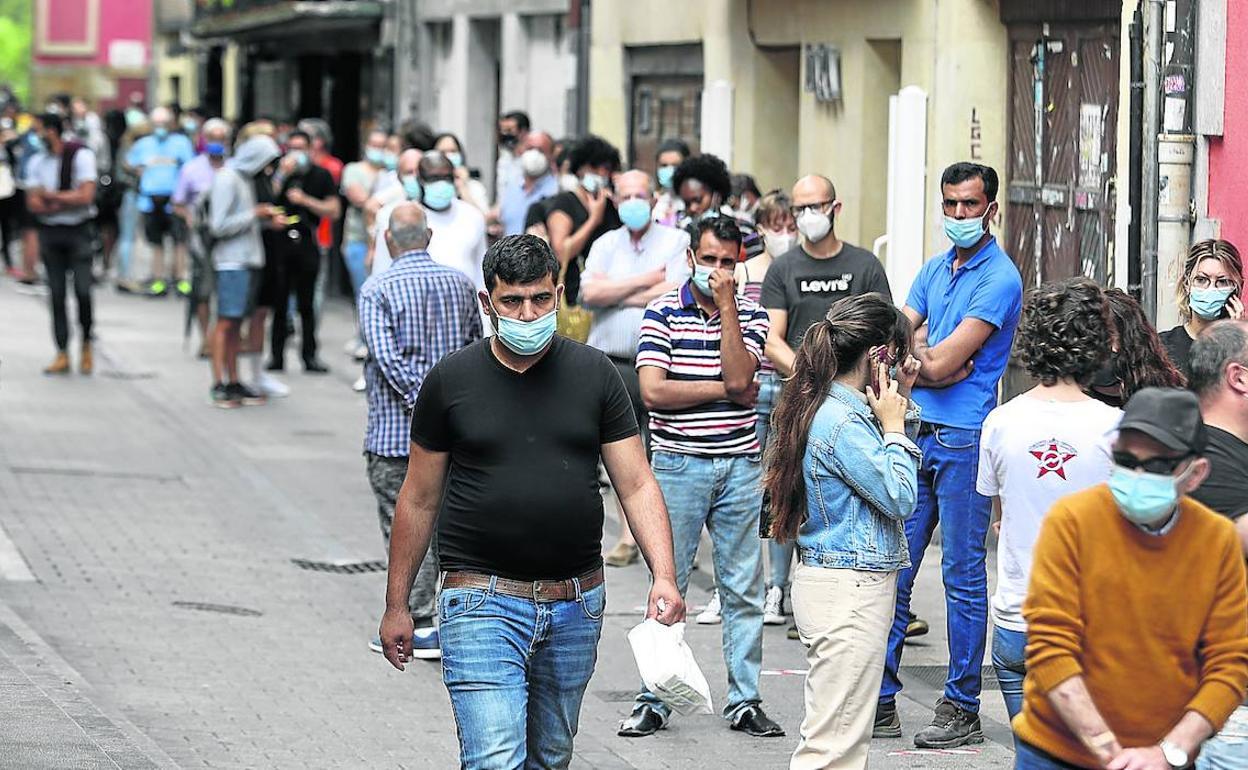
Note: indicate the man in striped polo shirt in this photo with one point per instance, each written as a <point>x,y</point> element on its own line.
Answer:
<point>699,349</point>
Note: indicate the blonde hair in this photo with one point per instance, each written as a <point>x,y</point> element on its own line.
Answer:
<point>1224,252</point>
<point>254,128</point>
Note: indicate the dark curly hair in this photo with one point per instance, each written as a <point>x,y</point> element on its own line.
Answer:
<point>1141,361</point>
<point>707,169</point>
<point>519,259</point>
<point>1064,331</point>
<point>593,151</point>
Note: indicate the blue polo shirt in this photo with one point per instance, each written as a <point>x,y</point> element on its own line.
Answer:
<point>987,287</point>
<point>514,201</point>
<point>161,159</point>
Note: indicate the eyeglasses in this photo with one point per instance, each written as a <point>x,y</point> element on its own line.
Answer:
<point>1203,282</point>
<point>797,211</point>
<point>1164,466</point>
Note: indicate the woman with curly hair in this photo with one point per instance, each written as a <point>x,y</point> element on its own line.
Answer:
<point>1208,290</point>
<point>1137,358</point>
<point>1042,445</point>
<point>577,218</point>
<point>705,186</point>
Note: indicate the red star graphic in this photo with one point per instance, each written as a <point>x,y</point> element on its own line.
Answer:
<point>1052,459</point>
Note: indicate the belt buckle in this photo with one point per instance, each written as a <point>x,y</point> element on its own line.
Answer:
<point>539,589</point>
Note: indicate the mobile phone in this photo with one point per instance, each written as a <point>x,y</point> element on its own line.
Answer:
<point>880,355</point>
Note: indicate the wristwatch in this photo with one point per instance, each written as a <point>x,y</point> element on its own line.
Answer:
<point>1175,755</point>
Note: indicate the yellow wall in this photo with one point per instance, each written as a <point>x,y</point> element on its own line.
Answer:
<point>167,67</point>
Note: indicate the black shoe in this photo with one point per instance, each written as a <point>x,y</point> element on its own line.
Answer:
<point>315,367</point>
<point>887,723</point>
<point>645,720</point>
<point>246,395</point>
<point>950,728</point>
<point>916,627</point>
<point>752,721</point>
<point>223,397</point>
<point>275,365</point>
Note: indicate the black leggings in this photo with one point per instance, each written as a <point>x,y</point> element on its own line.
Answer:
<point>302,262</point>
<point>66,248</point>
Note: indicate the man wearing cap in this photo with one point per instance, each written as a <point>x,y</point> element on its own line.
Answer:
<point>1137,612</point>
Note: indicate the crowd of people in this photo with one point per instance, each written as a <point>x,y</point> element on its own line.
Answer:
<point>736,368</point>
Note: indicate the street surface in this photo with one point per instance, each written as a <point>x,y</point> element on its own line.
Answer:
<point>152,613</point>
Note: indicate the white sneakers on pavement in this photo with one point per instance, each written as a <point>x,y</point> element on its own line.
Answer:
<point>773,607</point>
<point>271,386</point>
<point>710,616</point>
<point>359,386</point>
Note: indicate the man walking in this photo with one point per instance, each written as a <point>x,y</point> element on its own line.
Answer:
<point>1124,671</point>
<point>506,439</point>
<point>700,347</point>
<point>970,299</point>
<point>411,316</point>
<point>156,159</point>
<point>60,193</point>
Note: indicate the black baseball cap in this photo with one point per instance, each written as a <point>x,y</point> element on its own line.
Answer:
<point>1169,415</point>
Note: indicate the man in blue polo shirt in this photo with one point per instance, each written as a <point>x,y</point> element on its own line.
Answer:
<point>969,298</point>
<point>157,158</point>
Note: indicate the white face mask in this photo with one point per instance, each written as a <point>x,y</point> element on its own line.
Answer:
<point>534,163</point>
<point>814,226</point>
<point>778,243</point>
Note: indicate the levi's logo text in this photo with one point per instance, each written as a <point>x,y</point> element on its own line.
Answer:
<point>1052,456</point>
<point>825,285</point>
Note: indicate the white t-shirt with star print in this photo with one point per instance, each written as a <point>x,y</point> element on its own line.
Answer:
<point>1031,453</point>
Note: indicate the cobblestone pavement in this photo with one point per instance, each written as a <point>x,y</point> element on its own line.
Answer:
<point>165,622</point>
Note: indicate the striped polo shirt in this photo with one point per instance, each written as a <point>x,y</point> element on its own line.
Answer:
<point>678,337</point>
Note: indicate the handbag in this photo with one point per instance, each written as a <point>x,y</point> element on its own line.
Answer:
<point>573,321</point>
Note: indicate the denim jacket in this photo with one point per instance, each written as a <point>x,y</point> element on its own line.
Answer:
<point>860,488</point>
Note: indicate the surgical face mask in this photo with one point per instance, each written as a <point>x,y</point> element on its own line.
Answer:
<point>702,278</point>
<point>456,158</point>
<point>665,175</point>
<point>964,233</point>
<point>568,182</point>
<point>439,194</point>
<point>814,226</point>
<point>215,148</point>
<point>190,126</point>
<point>592,183</point>
<point>375,156</point>
<point>533,163</point>
<point>778,243</point>
<point>301,159</point>
<point>160,132</point>
<point>390,160</point>
<point>411,188</point>
<point>525,338</point>
<point>1144,498</point>
<point>1209,303</point>
<point>635,213</point>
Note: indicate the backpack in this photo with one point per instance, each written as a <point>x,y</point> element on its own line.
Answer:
<point>68,152</point>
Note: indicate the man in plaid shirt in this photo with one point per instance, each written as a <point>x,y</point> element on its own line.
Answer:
<point>411,316</point>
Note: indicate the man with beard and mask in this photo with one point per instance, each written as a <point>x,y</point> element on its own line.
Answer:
<point>1136,613</point>
<point>513,129</point>
<point>307,194</point>
<point>536,184</point>
<point>506,436</point>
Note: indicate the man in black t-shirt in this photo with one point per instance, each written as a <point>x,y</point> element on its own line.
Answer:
<point>308,194</point>
<point>506,438</point>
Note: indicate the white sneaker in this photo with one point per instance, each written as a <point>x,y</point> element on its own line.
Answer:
<point>271,386</point>
<point>359,386</point>
<point>773,607</point>
<point>710,616</point>
<point>360,353</point>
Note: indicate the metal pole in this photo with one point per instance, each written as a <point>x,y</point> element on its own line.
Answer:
<point>1136,152</point>
<point>1153,30</point>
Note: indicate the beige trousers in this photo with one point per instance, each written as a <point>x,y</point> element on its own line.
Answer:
<point>843,616</point>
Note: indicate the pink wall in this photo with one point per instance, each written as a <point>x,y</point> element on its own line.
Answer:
<point>1228,155</point>
<point>118,20</point>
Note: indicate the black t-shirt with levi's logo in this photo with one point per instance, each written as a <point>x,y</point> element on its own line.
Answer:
<point>805,287</point>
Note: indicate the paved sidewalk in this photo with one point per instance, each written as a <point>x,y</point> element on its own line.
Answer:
<point>161,535</point>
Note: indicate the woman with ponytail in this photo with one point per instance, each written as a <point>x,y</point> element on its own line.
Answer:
<point>842,477</point>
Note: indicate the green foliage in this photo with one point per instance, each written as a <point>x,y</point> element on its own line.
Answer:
<point>16,29</point>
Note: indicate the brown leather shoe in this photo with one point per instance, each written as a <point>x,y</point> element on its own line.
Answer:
<point>59,365</point>
<point>86,364</point>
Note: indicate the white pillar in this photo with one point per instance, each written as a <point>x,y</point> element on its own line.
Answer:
<point>453,90</point>
<point>514,76</point>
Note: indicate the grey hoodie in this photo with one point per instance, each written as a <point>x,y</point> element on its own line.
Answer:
<point>231,208</point>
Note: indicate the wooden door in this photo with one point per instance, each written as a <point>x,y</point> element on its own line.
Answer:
<point>663,107</point>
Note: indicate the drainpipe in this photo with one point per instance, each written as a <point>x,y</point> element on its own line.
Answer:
<point>1153,30</point>
<point>581,10</point>
<point>1136,161</point>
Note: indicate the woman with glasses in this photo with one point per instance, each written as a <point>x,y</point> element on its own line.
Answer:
<point>1208,290</point>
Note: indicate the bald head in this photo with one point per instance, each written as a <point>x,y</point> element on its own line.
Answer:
<point>632,184</point>
<point>409,162</point>
<point>813,188</point>
<point>407,230</point>
<point>539,140</point>
<point>161,117</point>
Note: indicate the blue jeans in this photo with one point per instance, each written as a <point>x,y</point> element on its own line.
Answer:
<point>1228,750</point>
<point>516,671</point>
<point>1009,658</point>
<point>1028,757</point>
<point>947,495</point>
<point>724,495</point>
<point>780,555</point>
<point>353,255</point>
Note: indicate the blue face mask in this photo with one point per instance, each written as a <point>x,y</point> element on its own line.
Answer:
<point>665,175</point>
<point>525,338</point>
<point>592,183</point>
<point>456,159</point>
<point>390,160</point>
<point>160,132</point>
<point>635,213</point>
<point>375,156</point>
<point>1208,303</point>
<point>964,233</point>
<point>1143,498</point>
<point>411,188</point>
<point>702,278</point>
<point>439,194</point>
<point>215,148</point>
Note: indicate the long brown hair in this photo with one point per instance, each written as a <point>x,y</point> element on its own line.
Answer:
<point>852,327</point>
<point>1222,251</point>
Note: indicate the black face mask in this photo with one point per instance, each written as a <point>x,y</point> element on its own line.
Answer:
<point>1107,375</point>
<point>508,140</point>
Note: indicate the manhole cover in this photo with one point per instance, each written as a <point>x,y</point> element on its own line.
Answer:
<point>340,567</point>
<point>224,609</point>
<point>934,676</point>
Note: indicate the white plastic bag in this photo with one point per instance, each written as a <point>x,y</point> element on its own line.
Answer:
<point>667,667</point>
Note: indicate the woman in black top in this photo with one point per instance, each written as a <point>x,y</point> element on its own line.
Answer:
<point>1208,290</point>
<point>1137,357</point>
<point>575,219</point>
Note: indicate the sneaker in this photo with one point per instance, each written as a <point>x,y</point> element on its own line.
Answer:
<point>887,722</point>
<point>621,555</point>
<point>360,353</point>
<point>247,396</point>
<point>223,397</point>
<point>710,616</point>
<point>360,385</point>
<point>184,288</point>
<point>271,386</point>
<point>951,727</point>
<point>773,607</point>
<point>426,645</point>
<point>916,627</point>
<point>793,634</point>
<point>157,288</point>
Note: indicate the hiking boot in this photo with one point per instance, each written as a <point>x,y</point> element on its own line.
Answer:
<point>887,722</point>
<point>773,607</point>
<point>223,397</point>
<point>245,395</point>
<point>710,616</point>
<point>59,365</point>
<point>951,727</point>
<point>621,555</point>
<point>86,364</point>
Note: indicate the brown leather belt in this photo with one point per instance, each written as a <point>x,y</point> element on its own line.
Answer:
<point>537,590</point>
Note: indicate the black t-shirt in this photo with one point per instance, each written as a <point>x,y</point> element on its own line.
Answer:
<point>317,183</point>
<point>1179,345</point>
<point>273,239</point>
<point>568,203</point>
<point>521,498</point>
<point>1226,489</point>
<point>805,287</point>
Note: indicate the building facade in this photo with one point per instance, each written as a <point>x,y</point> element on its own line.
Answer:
<point>97,49</point>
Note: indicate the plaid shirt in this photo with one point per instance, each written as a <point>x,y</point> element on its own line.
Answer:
<point>411,316</point>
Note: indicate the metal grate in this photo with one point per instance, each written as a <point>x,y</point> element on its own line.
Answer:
<point>340,567</point>
<point>934,676</point>
<point>224,609</point>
